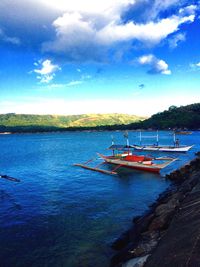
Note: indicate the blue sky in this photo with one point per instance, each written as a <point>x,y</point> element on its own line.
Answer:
<point>74,57</point>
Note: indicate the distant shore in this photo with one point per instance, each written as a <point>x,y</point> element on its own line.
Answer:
<point>22,130</point>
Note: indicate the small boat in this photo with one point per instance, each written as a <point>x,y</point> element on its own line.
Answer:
<point>183,132</point>
<point>125,158</point>
<point>162,148</point>
<point>138,162</point>
<point>12,179</point>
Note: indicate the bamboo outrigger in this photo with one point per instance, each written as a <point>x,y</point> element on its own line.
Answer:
<point>125,158</point>
<point>96,169</point>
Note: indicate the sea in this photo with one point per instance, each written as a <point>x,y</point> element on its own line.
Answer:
<point>60,215</point>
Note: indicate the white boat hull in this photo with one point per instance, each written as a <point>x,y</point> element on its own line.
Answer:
<point>163,148</point>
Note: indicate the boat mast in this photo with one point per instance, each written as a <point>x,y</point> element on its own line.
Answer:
<point>174,138</point>
<point>127,140</point>
<point>157,137</point>
<point>112,138</point>
<point>112,143</point>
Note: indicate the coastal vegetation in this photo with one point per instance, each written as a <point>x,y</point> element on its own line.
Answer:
<point>35,123</point>
<point>187,117</point>
<point>184,117</point>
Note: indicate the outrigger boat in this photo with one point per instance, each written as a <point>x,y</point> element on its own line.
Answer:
<point>12,179</point>
<point>164,148</point>
<point>183,132</point>
<point>128,160</point>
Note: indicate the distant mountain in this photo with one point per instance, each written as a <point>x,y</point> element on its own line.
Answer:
<point>12,121</point>
<point>184,117</point>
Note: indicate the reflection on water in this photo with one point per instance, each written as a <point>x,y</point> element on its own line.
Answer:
<point>60,215</point>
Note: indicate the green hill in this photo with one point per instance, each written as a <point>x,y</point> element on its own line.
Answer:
<point>12,121</point>
<point>184,117</point>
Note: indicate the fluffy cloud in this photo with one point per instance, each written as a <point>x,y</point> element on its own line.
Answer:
<point>86,30</point>
<point>46,70</point>
<point>195,66</point>
<point>176,39</point>
<point>156,65</point>
<point>88,35</point>
<point>9,39</point>
<point>73,83</point>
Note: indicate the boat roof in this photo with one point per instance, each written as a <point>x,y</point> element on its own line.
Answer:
<point>119,147</point>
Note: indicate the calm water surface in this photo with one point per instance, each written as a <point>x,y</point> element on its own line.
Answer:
<point>63,216</point>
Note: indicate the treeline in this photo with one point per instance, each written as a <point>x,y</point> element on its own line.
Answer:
<point>58,121</point>
<point>184,117</point>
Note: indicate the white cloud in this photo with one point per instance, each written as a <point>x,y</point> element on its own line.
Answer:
<point>156,65</point>
<point>86,30</point>
<point>176,39</point>
<point>161,5</point>
<point>195,66</point>
<point>82,35</point>
<point>73,83</point>
<point>188,10</point>
<point>46,71</point>
<point>9,39</point>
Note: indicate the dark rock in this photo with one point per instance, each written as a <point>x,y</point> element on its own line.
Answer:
<point>161,222</point>
<point>121,242</point>
<point>167,208</point>
<point>148,229</point>
<point>194,180</point>
<point>185,187</point>
<point>176,176</point>
<point>135,219</point>
<point>178,196</point>
<point>143,248</point>
<point>197,153</point>
<point>150,235</point>
<point>142,225</point>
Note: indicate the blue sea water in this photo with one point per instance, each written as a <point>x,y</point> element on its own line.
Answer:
<point>64,216</point>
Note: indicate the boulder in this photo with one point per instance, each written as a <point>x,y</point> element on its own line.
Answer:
<point>167,208</point>
<point>121,242</point>
<point>161,222</point>
<point>143,248</point>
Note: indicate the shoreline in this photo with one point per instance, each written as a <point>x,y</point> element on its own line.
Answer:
<point>142,244</point>
<point>84,130</point>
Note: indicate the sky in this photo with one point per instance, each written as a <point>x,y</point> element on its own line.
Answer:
<point>111,56</point>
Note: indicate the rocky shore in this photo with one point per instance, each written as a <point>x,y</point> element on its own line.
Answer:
<point>168,235</point>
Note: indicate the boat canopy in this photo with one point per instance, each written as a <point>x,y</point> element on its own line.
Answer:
<point>119,147</point>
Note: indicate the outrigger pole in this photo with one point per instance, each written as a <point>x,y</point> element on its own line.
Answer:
<point>12,179</point>
<point>95,169</point>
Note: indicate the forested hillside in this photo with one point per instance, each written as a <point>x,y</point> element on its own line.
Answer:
<point>175,117</point>
<point>25,122</point>
<point>184,117</point>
